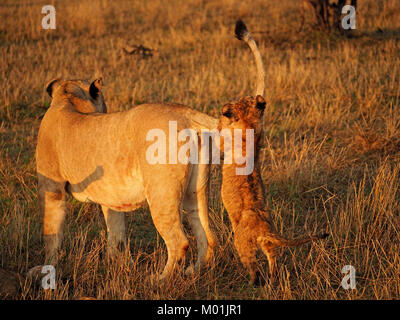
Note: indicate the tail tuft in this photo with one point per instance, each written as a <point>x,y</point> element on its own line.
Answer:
<point>241,30</point>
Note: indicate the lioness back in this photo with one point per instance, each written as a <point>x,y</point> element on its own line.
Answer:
<point>104,156</point>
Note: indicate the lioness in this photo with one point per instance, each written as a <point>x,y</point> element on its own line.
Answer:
<point>243,195</point>
<point>101,157</point>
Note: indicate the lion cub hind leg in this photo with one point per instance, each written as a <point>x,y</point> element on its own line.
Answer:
<point>115,222</point>
<point>247,249</point>
<point>269,250</point>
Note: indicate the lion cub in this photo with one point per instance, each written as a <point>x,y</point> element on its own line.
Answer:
<point>243,195</point>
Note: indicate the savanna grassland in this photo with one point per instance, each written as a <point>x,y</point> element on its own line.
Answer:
<point>330,160</point>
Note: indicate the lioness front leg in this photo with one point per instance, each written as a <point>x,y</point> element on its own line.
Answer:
<point>115,222</point>
<point>52,206</point>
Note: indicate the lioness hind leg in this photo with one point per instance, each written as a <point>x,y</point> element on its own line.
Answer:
<point>195,203</point>
<point>167,220</point>
<point>202,202</point>
<point>115,222</point>
<point>52,206</point>
<point>190,206</point>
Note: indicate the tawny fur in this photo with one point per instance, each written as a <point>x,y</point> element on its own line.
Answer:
<point>101,157</point>
<point>243,195</point>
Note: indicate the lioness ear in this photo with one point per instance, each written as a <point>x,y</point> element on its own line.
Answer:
<point>50,86</point>
<point>95,88</point>
<point>227,110</point>
<point>260,102</point>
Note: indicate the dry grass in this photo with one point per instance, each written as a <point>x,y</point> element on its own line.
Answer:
<point>331,156</point>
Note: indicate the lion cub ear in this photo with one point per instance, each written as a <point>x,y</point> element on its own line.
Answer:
<point>95,88</point>
<point>227,110</point>
<point>50,86</point>
<point>260,102</point>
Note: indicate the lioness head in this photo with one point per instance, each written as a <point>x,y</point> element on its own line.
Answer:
<point>84,96</point>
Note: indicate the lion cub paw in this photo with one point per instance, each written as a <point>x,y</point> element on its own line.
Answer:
<point>35,272</point>
<point>190,270</point>
<point>156,279</point>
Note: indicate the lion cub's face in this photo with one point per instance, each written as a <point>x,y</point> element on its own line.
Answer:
<point>245,114</point>
<point>86,97</point>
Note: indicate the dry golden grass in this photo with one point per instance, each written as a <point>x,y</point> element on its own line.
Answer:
<point>330,161</point>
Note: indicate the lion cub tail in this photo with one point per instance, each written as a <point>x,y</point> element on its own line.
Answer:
<point>242,33</point>
<point>282,242</point>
